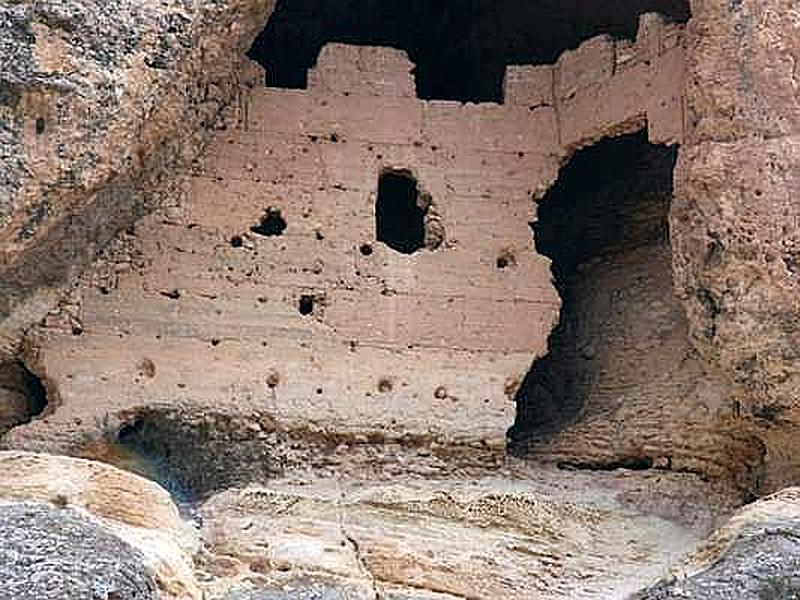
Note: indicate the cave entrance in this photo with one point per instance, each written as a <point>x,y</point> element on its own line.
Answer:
<point>191,456</point>
<point>460,48</point>
<point>399,218</point>
<point>604,225</point>
<point>23,396</point>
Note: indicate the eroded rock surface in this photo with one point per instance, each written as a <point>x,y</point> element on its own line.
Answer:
<point>752,556</point>
<point>96,504</point>
<point>735,222</point>
<point>99,102</point>
<point>264,324</point>
<point>50,553</point>
<point>484,539</point>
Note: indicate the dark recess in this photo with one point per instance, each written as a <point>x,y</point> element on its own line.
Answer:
<point>399,220</point>
<point>271,224</point>
<point>23,396</point>
<point>305,306</point>
<point>609,201</point>
<point>460,47</point>
<point>193,456</point>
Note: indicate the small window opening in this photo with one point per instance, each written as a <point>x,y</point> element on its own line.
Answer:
<point>305,305</point>
<point>399,219</point>
<point>272,223</point>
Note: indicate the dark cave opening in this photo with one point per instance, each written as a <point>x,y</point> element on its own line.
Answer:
<point>460,48</point>
<point>191,456</point>
<point>399,218</point>
<point>23,396</point>
<point>605,226</point>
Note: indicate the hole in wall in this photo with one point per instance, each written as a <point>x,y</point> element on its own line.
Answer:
<point>271,224</point>
<point>505,260</point>
<point>460,48</point>
<point>305,306</point>
<point>399,218</point>
<point>604,225</point>
<point>385,385</point>
<point>23,396</point>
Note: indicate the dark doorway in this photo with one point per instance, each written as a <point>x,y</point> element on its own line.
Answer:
<point>460,47</point>
<point>604,225</point>
<point>399,220</point>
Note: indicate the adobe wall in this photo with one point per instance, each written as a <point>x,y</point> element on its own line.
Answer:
<point>429,346</point>
<point>606,87</point>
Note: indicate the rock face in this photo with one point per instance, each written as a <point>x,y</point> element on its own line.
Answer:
<point>92,526</point>
<point>98,102</point>
<point>432,540</point>
<point>48,552</point>
<point>752,556</point>
<point>735,220</point>
<point>342,297</point>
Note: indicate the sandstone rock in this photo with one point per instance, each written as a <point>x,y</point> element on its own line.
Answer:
<point>435,539</point>
<point>98,101</point>
<point>103,505</point>
<point>753,556</point>
<point>301,589</point>
<point>734,222</point>
<point>210,347</point>
<point>51,553</point>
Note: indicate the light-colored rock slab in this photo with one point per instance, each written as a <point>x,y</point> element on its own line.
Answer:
<point>137,511</point>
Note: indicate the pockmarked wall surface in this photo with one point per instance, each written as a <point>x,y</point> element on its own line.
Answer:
<point>309,317</point>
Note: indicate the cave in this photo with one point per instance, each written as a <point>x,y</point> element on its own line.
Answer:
<point>23,396</point>
<point>188,455</point>
<point>460,48</point>
<point>604,225</point>
<point>399,219</point>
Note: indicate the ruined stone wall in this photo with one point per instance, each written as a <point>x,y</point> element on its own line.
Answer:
<point>321,326</point>
<point>607,87</point>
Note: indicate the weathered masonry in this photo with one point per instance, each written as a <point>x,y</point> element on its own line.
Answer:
<point>352,258</point>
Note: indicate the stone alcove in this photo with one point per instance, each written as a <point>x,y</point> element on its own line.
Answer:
<point>604,224</point>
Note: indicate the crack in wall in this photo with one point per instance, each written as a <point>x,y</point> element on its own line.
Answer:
<point>356,548</point>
